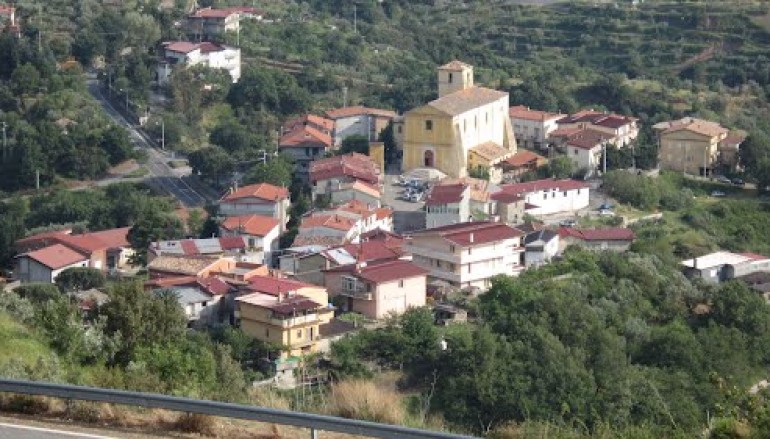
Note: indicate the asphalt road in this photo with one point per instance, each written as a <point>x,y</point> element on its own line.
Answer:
<point>10,430</point>
<point>161,174</point>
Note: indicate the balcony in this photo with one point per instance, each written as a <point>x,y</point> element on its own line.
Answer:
<point>289,322</point>
<point>352,287</point>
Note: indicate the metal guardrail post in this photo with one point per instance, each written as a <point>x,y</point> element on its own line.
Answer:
<point>222,409</point>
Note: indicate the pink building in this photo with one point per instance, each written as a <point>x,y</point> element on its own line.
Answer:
<point>377,289</point>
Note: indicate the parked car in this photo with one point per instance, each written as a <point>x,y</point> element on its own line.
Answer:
<point>606,206</point>
<point>606,212</point>
<point>568,223</point>
<point>723,179</point>
<point>718,194</point>
<point>738,182</point>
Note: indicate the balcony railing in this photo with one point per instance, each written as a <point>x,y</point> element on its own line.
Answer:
<point>289,322</point>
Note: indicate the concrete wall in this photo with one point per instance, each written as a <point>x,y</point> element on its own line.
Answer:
<point>556,201</point>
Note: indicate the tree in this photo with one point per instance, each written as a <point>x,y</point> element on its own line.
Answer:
<point>753,150</point>
<point>140,319</point>
<point>278,171</point>
<point>355,143</point>
<point>80,279</point>
<point>39,292</point>
<point>115,142</point>
<point>559,167</point>
<point>762,172</point>
<point>211,163</point>
<point>152,226</point>
<point>25,79</point>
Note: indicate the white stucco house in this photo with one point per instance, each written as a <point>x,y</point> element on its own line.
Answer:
<point>185,54</point>
<point>549,196</point>
<point>540,247</point>
<point>532,127</point>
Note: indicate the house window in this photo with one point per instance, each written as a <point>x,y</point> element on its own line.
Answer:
<point>470,250</point>
<point>450,78</point>
<point>401,283</point>
<point>428,125</point>
<point>349,283</point>
<point>451,249</point>
<point>399,129</point>
<point>267,332</point>
<point>299,333</point>
<point>545,196</point>
<point>576,151</point>
<point>307,152</point>
<point>204,304</point>
<point>469,268</point>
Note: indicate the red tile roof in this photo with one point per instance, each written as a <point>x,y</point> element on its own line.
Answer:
<point>455,65</point>
<point>372,251</point>
<point>214,285</point>
<point>473,233</point>
<point>290,305</point>
<point>359,110</point>
<point>189,247</point>
<point>273,285</point>
<point>597,118</point>
<point>56,256</point>
<point>320,123</point>
<point>180,46</point>
<point>264,191</point>
<point>525,113</point>
<point>588,139</point>
<point>40,239</point>
<point>612,234</point>
<point>444,194</point>
<point>335,222</point>
<point>354,165</point>
<point>95,241</point>
<point>506,197</point>
<point>613,121</point>
<point>305,136</point>
<point>543,185</point>
<point>255,225</point>
<point>524,158</point>
<point>392,240</point>
<point>232,242</point>
<point>379,272</point>
<point>564,132</point>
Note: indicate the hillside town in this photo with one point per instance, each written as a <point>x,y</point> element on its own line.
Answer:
<point>463,235</point>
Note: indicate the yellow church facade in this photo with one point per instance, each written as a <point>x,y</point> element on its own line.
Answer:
<point>466,127</point>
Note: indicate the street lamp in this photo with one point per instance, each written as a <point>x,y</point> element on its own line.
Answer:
<point>162,133</point>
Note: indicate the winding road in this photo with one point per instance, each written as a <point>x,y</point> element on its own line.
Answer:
<point>161,175</point>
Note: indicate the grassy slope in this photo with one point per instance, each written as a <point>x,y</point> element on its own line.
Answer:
<point>19,343</point>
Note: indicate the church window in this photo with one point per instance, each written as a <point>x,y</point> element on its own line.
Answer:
<point>428,125</point>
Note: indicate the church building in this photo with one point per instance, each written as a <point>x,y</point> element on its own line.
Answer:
<point>467,127</point>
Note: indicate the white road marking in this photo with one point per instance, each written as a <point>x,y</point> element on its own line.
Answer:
<point>51,430</point>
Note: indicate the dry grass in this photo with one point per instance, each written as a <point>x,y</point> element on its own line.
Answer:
<point>196,423</point>
<point>362,399</point>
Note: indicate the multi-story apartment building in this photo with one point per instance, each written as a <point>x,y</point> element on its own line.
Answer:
<point>532,127</point>
<point>468,255</point>
<point>185,54</point>
<point>258,199</point>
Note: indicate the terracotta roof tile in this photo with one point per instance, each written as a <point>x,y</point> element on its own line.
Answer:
<point>336,222</point>
<point>359,110</point>
<point>491,151</point>
<point>378,272</point>
<point>187,265</point>
<point>473,233</point>
<point>367,251</point>
<point>274,285</point>
<point>95,241</point>
<point>524,157</point>
<point>56,256</point>
<point>255,225</point>
<point>444,194</point>
<point>305,136</point>
<point>320,123</point>
<point>465,100</point>
<point>264,191</point>
<point>214,285</point>
<point>588,139</point>
<point>353,165</point>
<point>543,185</point>
<point>455,65</point>
<point>525,113</point>
<point>698,126</point>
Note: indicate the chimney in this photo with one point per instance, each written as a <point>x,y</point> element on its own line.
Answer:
<point>471,238</point>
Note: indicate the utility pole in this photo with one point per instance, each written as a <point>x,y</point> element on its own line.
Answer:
<point>5,143</point>
<point>604,160</point>
<point>345,96</point>
<point>355,18</point>
<point>37,179</point>
<point>163,134</point>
